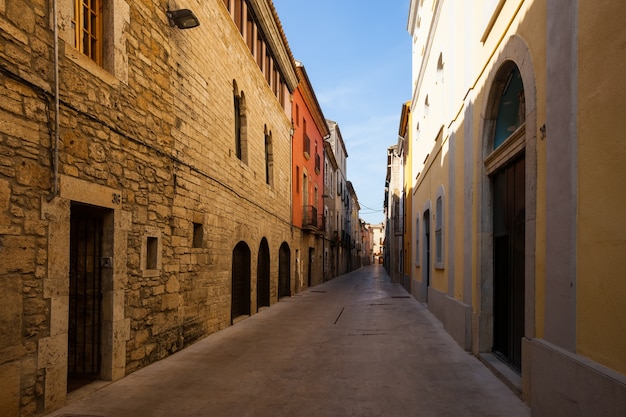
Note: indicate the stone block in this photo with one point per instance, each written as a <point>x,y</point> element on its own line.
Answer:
<point>10,310</point>
<point>170,301</point>
<point>173,285</point>
<point>59,307</point>
<point>10,389</point>
<point>5,200</point>
<point>18,254</point>
<point>56,386</point>
<point>52,351</point>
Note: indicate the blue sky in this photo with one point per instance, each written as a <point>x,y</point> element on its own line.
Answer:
<point>357,54</point>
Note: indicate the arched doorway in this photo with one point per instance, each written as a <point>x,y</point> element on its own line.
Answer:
<point>508,196</point>
<point>509,207</point>
<point>263,276</point>
<point>508,212</point>
<point>240,299</point>
<point>284,271</point>
<point>426,271</point>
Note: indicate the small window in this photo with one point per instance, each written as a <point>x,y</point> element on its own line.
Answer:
<point>87,26</point>
<point>260,49</point>
<point>297,179</point>
<point>198,235</point>
<point>152,247</point>
<point>306,144</point>
<point>250,26</point>
<point>239,11</point>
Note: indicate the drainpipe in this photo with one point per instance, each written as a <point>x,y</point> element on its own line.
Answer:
<point>55,145</point>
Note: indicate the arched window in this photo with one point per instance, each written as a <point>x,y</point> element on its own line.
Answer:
<point>240,123</point>
<point>439,229</point>
<point>511,110</point>
<point>269,158</point>
<point>417,240</point>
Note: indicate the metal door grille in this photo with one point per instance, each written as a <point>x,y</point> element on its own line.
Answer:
<point>85,301</point>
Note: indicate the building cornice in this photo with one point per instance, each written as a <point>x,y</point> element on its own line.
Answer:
<point>268,19</point>
<point>339,138</point>
<point>306,89</point>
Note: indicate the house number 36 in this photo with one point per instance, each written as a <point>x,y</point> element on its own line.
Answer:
<point>117,198</point>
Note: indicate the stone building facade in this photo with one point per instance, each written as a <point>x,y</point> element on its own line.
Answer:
<point>331,240</point>
<point>339,203</point>
<point>144,203</point>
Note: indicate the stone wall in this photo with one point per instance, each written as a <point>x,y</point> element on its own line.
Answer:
<point>149,140</point>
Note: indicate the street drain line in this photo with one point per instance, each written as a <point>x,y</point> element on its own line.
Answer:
<point>340,313</point>
<point>79,415</point>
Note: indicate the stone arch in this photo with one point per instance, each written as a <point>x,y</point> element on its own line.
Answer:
<point>284,270</point>
<point>240,294</point>
<point>263,275</point>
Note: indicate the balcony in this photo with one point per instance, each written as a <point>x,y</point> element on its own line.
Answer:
<point>311,220</point>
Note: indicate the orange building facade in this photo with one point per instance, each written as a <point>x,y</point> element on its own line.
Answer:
<point>309,130</point>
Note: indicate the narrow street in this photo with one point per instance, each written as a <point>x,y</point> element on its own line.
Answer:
<point>355,346</point>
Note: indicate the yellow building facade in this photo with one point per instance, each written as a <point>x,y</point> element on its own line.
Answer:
<point>517,192</point>
<point>404,133</point>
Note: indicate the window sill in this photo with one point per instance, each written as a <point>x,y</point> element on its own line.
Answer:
<point>89,65</point>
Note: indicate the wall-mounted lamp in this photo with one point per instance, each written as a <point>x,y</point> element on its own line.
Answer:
<point>183,18</point>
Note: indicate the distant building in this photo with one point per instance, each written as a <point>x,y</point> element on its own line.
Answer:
<point>340,210</point>
<point>331,236</point>
<point>394,214</point>
<point>377,233</point>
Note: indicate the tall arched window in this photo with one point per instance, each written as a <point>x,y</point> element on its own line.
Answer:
<point>269,158</point>
<point>417,240</point>
<point>439,229</point>
<point>240,124</point>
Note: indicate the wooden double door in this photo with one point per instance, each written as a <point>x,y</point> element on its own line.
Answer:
<point>509,257</point>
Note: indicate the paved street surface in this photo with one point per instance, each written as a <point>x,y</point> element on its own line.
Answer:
<point>355,346</point>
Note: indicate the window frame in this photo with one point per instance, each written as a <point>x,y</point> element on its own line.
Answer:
<point>440,229</point>
<point>95,53</point>
<point>269,158</point>
<point>417,240</point>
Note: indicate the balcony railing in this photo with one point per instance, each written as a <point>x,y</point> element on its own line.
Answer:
<point>310,218</point>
